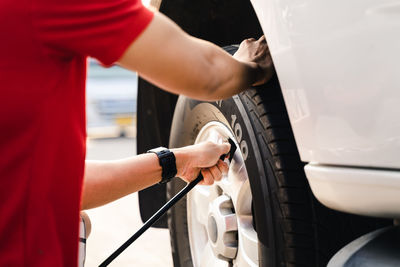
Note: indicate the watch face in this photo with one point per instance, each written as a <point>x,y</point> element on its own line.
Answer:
<point>158,149</point>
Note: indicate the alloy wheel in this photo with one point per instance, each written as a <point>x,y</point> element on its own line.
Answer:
<point>220,218</point>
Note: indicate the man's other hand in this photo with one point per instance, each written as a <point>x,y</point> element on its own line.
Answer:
<point>257,52</point>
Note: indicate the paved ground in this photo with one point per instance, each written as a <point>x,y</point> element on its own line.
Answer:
<point>114,223</point>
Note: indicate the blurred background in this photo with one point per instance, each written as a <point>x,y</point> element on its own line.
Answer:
<point>111,126</point>
<point>110,101</point>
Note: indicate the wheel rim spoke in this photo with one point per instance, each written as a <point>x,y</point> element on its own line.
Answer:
<point>242,201</point>
<point>248,243</point>
<point>200,200</point>
<point>207,256</point>
<point>235,180</point>
<point>208,259</point>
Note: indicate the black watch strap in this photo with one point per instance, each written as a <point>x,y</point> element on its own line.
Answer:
<point>167,162</point>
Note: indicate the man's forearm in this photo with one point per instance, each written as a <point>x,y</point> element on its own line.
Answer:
<point>106,181</point>
<point>181,64</point>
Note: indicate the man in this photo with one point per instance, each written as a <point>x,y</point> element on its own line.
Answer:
<point>42,139</point>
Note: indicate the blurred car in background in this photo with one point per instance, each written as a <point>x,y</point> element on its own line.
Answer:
<point>111,101</point>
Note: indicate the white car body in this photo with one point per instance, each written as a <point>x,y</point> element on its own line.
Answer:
<point>337,63</point>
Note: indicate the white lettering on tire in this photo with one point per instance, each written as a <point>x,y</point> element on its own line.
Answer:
<point>237,130</point>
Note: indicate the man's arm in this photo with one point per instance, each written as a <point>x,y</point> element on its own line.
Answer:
<point>181,64</point>
<point>168,57</point>
<point>106,181</point>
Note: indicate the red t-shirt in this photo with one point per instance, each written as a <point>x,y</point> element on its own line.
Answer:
<point>43,49</point>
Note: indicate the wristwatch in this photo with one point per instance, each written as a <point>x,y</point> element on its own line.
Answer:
<point>167,162</point>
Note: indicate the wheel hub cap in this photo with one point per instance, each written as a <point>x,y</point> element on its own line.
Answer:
<point>222,228</point>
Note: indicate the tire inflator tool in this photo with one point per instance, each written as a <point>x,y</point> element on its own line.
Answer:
<point>164,209</point>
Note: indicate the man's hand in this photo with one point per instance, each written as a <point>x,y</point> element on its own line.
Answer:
<point>257,52</point>
<point>204,157</point>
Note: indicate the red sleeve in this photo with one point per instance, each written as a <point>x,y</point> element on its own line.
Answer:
<point>102,29</point>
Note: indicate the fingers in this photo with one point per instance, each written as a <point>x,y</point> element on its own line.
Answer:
<point>210,175</point>
<point>214,173</point>
<point>207,177</point>
<point>252,40</point>
<point>223,167</point>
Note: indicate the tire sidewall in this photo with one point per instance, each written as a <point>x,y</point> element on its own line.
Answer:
<point>189,118</point>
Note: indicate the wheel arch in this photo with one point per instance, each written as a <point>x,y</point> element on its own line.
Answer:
<point>223,22</point>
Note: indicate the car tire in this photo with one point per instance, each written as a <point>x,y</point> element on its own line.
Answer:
<point>292,227</point>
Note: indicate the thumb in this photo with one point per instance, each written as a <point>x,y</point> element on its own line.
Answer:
<point>225,147</point>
